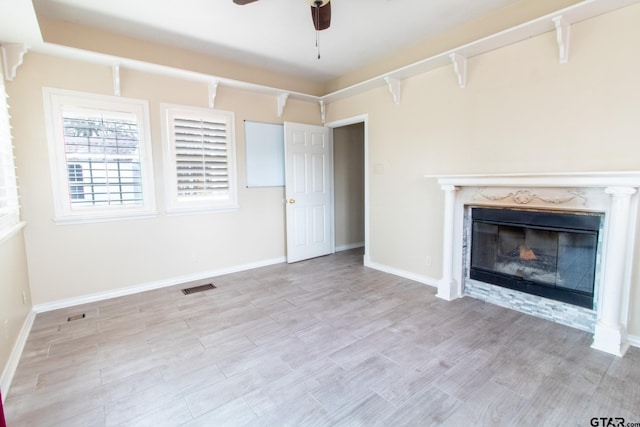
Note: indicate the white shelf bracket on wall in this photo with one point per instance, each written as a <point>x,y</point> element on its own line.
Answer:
<point>115,68</point>
<point>563,32</point>
<point>213,90</point>
<point>460,68</point>
<point>12,57</point>
<point>323,111</point>
<point>282,102</point>
<point>394,87</point>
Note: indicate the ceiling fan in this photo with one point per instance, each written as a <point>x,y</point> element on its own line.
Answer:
<point>320,12</point>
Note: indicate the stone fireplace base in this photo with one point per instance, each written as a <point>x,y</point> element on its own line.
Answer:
<point>614,194</point>
<point>555,311</point>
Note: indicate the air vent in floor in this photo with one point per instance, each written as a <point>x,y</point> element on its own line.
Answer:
<point>196,289</point>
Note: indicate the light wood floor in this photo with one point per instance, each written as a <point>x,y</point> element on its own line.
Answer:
<point>321,342</point>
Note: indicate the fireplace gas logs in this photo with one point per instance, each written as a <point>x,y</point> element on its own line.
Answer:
<point>527,254</point>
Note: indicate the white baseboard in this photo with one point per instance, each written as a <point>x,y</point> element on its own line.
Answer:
<point>634,340</point>
<point>349,246</point>
<point>100,296</point>
<point>402,273</point>
<point>14,358</point>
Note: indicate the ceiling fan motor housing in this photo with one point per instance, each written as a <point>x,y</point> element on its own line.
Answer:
<point>321,14</point>
<point>315,2</point>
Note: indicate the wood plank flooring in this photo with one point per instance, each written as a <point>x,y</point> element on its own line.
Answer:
<point>323,342</point>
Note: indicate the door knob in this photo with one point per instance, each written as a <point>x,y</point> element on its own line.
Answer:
<point>292,201</point>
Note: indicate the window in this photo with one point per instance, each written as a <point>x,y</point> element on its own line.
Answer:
<point>100,154</point>
<point>107,148</point>
<point>75,175</point>
<point>9,208</point>
<point>199,158</point>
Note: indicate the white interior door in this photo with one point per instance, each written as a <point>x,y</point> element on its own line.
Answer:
<point>308,175</point>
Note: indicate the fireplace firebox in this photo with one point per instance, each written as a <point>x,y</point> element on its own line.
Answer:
<point>549,254</point>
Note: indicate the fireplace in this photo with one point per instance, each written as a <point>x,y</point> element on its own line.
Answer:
<point>536,256</point>
<point>549,254</point>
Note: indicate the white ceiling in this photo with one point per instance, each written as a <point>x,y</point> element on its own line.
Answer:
<point>277,34</point>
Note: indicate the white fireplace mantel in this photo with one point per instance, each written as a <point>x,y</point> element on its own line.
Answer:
<point>615,194</point>
<point>563,180</point>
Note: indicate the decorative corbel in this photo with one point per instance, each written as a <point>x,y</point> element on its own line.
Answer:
<point>323,111</point>
<point>116,79</point>
<point>460,68</point>
<point>563,32</point>
<point>282,101</point>
<point>213,90</point>
<point>12,57</point>
<point>394,87</point>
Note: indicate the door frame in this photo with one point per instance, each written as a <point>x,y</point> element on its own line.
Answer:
<point>363,118</point>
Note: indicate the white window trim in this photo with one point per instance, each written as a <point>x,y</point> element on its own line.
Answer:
<point>174,206</point>
<point>54,99</point>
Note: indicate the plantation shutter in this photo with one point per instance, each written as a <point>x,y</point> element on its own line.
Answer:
<point>201,156</point>
<point>9,208</point>
<point>199,148</point>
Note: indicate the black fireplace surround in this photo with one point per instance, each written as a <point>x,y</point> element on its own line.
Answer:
<point>549,254</point>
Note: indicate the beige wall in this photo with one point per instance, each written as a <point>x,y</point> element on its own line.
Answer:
<point>348,167</point>
<point>67,261</point>
<point>520,112</point>
<point>14,281</point>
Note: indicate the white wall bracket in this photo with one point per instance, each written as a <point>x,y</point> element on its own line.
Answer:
<point>116,79</point>
<point>460,68</point>
<point>213,90</point>
<point>323,111</point>
<point>12,57</point>
<point>282,101</point>
<point>394,87</point>
<point>563,33</point>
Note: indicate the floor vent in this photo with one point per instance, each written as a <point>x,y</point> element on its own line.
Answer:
<point>76,317</point>
<point>196,289</point>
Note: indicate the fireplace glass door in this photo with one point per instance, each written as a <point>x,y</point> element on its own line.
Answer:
<point>546,254</point>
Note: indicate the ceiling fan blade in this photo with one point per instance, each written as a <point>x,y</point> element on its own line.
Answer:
<point>321,16</point>
<point>243,2</point>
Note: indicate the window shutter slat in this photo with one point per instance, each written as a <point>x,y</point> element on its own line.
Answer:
<point>9,206</point>
<point>201,157</point>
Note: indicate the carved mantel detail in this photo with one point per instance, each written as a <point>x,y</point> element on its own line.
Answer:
<point>524,197</point>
